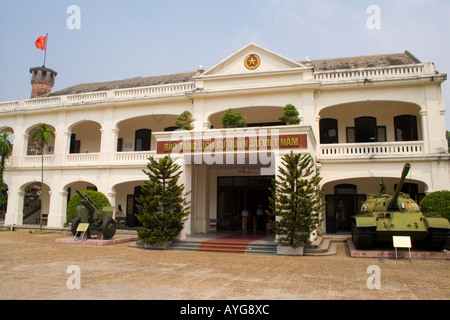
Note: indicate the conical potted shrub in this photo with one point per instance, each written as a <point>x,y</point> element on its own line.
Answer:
<point>163,204</point>
<point>296,203</point>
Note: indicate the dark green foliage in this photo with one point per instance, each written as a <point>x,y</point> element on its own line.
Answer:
<point>5,153</point>
<point>232,119</point>
<point>97,197</point>
<point>438,201</point>
<point>3,197</point>
<point>42,135</point>
<point>290,115</point>
<point>295,201</point>
<point>184,121</point>
<point>163,203</point>
<point>447,133</point>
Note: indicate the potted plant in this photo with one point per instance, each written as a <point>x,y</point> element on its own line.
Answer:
<point>184,121</point>
<point>290,115</point>
<point>232,119</point>
<point>163,204</point>
<point>296,203</point>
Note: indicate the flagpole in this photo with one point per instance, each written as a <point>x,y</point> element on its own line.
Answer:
<point>45,55</point>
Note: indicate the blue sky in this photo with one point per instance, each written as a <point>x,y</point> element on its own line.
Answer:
<point>134,38</point>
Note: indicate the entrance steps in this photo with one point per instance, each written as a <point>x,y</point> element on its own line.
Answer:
<point>323,246</point>
<point>224,246</point>
<point>184,245</point>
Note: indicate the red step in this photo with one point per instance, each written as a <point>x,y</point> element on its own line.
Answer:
<point>237,242</point>
<point>223,246</point>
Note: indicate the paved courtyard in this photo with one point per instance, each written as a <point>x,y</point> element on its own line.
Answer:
<point>34,266</point>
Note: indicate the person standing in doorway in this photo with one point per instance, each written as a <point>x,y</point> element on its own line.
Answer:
<point>260,218</point>
<point>244,216</point>
<point>120,216</point>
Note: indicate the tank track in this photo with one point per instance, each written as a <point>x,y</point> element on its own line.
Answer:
<point>438,238</point>
<point>362,237</point>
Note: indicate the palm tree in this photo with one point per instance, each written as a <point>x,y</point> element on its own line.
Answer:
<point>42,135</point>
<point>5,153</point>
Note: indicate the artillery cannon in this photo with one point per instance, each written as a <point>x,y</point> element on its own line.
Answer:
<point>384,216</point>
<point>99,220</point>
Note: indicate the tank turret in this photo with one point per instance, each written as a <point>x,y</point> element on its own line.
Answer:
<point>384,216</point>
<point>393,203</point>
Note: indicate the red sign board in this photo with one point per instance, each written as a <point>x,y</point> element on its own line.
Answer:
<point>291,141</point>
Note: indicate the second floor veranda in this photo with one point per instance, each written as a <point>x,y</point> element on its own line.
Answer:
<point>350,131</point>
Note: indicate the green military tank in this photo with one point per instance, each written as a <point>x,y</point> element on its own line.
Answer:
<point>384,216</point>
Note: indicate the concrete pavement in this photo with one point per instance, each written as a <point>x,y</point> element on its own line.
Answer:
<point>34,266</point>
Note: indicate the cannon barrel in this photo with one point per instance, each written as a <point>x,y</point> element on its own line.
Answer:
<point>87,202</point>
<point>393,203</point>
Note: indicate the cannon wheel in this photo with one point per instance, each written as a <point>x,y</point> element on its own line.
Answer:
<point>75,224</point>
<point>109,228</point>
<point>74,228</point>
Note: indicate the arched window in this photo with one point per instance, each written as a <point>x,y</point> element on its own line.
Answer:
<point>329,131</point>
<point>142,140</point>
<point>406,128</point>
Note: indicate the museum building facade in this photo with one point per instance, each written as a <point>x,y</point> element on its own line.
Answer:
<point>362,119</point>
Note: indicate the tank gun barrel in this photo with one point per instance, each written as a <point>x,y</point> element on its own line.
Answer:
<point>87,202</point>
<point>393,203</point>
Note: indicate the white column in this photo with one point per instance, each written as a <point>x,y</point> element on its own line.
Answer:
<point>20,143</point>
<point>58,209</point>
<point>14,211</point>
<point>108,145</point>
<point>425,133</point>
<point>112,199</point>
<point>436,122</point>
<point>186,179</point>
<point>200,123</point>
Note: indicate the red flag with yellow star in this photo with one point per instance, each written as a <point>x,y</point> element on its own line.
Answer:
<point>41,42</point>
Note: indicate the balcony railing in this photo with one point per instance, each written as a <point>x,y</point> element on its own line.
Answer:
<point>341,151</point>
<point>366,150</point>
<point>138,157</point>
<point>82,158</point>
<point>32,161</point>
<point>102,96</point>
<point>370,73</point>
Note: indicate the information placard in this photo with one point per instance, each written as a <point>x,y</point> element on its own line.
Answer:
<point>402,242</point>
<point>83,227</point>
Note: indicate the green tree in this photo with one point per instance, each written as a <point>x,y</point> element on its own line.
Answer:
<point>437,202</point>
<point>232,119</point>
<point>163,202</point>
<point>296,200</point>
<point>42,135</point>
<point>448,139</point>
<point>290,115</point>
<point>184,121</point>
<point>97,197</point>
<point>5,153</point>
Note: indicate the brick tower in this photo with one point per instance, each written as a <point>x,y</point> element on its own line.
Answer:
<point>42,81</point>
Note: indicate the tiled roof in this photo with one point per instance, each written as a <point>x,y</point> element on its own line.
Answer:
<point>382,60</point>
<point>124,84</point>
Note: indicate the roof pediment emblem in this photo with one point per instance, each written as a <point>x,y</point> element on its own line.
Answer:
<point>252,58</point>
<point>252,61</point>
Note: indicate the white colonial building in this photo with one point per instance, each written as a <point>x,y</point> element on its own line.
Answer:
<point>362,119</point>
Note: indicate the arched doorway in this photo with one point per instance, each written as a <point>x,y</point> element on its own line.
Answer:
<point>33,204</point>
